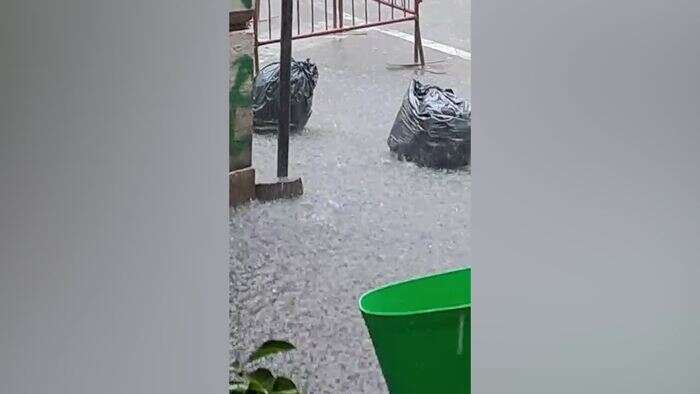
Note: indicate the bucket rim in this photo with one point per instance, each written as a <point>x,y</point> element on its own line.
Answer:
<point>418,312</point>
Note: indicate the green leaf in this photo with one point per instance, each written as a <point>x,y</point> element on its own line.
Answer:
<point>262,376</point>
<point>238,388</point>
<point>269,348</point>
<point>256,387</point>
<point>284,386</point>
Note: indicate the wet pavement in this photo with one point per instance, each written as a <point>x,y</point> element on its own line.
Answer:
<point>299,266</point>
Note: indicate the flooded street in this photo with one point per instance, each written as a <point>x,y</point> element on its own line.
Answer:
<point>299,266</point>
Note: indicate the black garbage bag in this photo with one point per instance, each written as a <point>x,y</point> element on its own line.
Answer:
<point>266,96</point>
<point>432,128</point>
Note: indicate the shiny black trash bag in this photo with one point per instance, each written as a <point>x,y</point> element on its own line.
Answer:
<point>432,128</point>
<point>304,76</point>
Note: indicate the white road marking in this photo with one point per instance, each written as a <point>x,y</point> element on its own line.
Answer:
<point>444,48</point>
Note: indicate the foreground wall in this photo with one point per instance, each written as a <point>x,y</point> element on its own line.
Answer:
<point>240,111</point>
<point>241,44</point>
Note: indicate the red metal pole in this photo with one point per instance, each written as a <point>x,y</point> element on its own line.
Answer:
<point>341,16</point>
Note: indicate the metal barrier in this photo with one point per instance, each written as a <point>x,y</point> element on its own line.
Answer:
<point>326,17</point>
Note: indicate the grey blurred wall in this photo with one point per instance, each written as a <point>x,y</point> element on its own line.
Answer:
<point>113,196</point>
<point>586,196</point>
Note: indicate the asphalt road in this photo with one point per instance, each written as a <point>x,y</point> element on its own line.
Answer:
<point>299,266</point>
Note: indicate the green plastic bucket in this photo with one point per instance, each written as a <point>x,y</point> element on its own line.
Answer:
<point>421,332</point>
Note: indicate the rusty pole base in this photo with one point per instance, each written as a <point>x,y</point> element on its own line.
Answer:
<point>283,188</point>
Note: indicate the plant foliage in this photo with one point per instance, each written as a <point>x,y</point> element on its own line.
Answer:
<point>261,380</point>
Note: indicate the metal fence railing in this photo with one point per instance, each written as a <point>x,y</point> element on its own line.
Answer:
<point>313,18</point>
